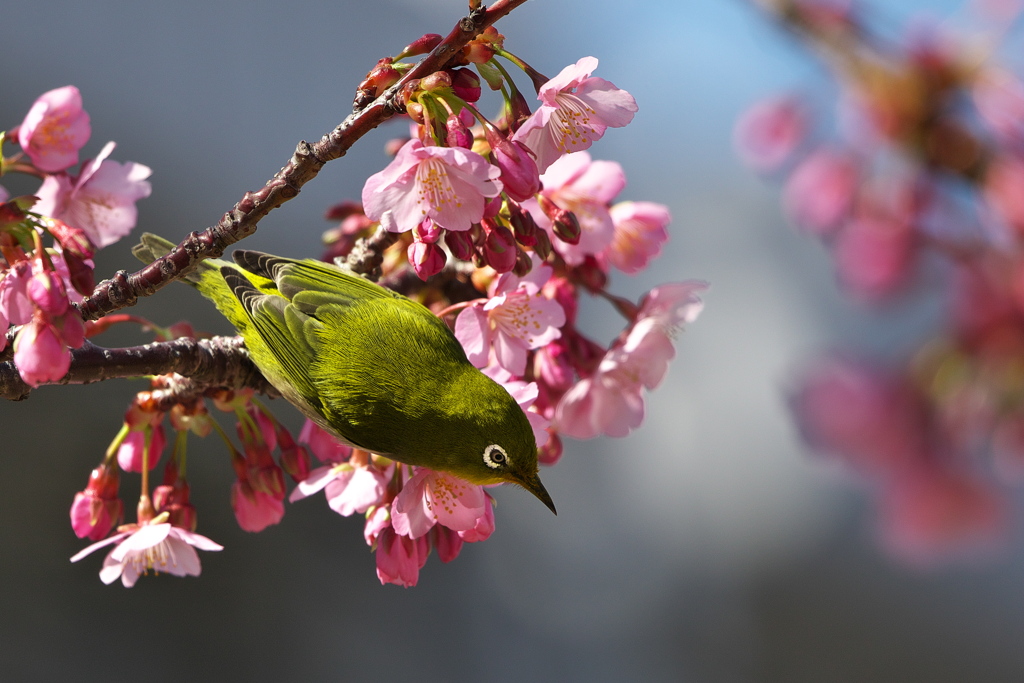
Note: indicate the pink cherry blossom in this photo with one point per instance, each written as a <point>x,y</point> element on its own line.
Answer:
<point>484,526</point>
<point>820,191</point>
<point>100,201</point>
<point>516,318</point>
<point>400,558</point>
<point>640,233</point>
<point>768,133</point>
<point>449,185</point>
<point>254,510</point>
<point>431,497</point>
<point>611,400</point>
<point>14,300</point>
<point>349,488</point>
<point>157,547</point>
<point>575,110</point>
<point>54,129</point>
<point>586,188</point>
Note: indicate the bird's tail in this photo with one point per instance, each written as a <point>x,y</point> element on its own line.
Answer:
<point>206,277</point>
<point>153,247</point>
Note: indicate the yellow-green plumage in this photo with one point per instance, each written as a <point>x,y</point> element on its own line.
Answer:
<point>378,370</point>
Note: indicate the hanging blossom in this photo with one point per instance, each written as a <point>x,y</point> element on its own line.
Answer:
<point>611,401</point>
<point>575,110</point>
<point>516,318</point>
<point>585,187</point>
<point>349,487</point>
<point>54,129</point>
<point>431,497</point>
<point>155,546</point>
<point>448,185</point>
<point>100,201</point>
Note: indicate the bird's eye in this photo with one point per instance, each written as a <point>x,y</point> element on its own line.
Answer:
<point>495,456</point>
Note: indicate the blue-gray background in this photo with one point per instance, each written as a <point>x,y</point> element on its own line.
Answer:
<point>706,547</point>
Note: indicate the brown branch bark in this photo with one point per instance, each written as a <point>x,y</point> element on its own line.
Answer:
<point>124,289</point>
<point>203,364</point>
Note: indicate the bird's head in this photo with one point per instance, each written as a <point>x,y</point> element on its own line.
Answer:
<point>496,443</point>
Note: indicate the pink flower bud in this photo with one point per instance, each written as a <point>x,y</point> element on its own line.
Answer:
<point>460,243</point>
<point>427,231</point>
<point>129,454</point>
<point>519,175</point>
<point>70,328</point>
<point>551,452</point>
<point>466,84</point>
<point>499,249</point>
<point>80,273</point>
<point>71,239</point>
<point>39,354</point>
<point>97,509</point>
<point>819,193</point>
<point>447,542</point>
<point>523,225</point>
<point>422,45</point>
<point>46,291</point>
<point>426,259</point>
<point>459,134</point>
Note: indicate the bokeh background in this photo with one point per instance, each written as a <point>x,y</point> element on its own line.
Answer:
<point>708,546</point>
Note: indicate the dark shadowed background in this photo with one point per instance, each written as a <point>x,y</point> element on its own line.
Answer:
<point>708,546</point>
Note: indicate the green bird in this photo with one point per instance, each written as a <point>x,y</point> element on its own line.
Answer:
<point>374,368</point>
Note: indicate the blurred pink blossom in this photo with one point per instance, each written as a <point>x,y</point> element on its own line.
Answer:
<point>820,191</point>
<point>1002,190</point>
<point>933,514</point>
<point>324,445</point>
<point>874,255</point>
<point>999,97</point>
<point>54,129</point>
<point>869,419</point>
<point>768,133</point>
<point>575,110</point>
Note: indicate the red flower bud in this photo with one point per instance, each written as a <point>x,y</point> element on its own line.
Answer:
<point>460,243</point>
<point>422,45</point>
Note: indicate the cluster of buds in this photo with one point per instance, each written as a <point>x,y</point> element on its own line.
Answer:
<point>914,171</point>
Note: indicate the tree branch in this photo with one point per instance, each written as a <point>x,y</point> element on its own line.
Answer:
<point>206,363</point>
<point>124,289</point>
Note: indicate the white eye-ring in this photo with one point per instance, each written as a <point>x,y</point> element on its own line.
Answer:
<point>495,456</point>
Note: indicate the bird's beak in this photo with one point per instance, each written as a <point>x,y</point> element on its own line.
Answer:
<point>534,486</point>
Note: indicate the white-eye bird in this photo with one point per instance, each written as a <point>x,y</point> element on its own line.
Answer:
<point>374,368</point>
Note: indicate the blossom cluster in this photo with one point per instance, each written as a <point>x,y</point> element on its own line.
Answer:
<point>80,213</point>
<point>502,226</point>
<point>928,160</point>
